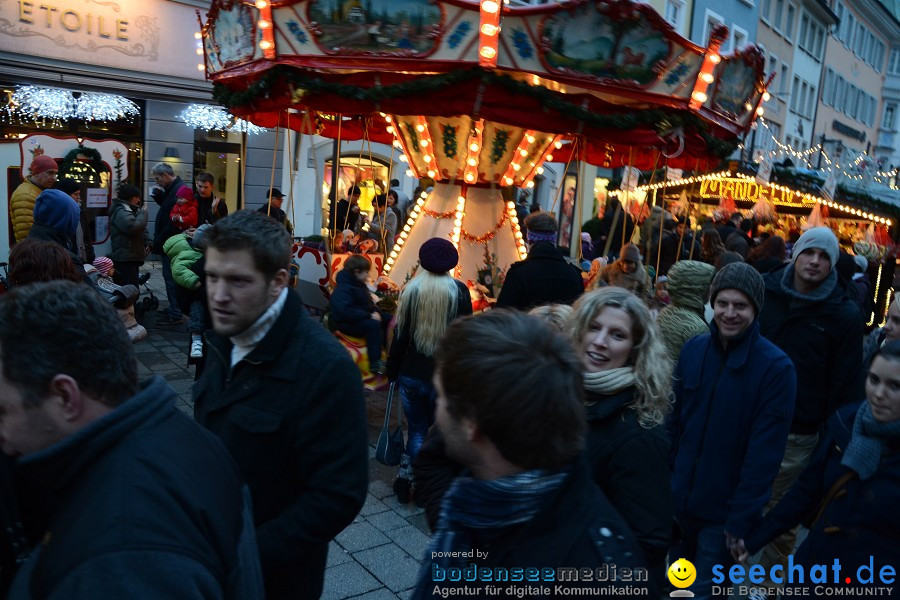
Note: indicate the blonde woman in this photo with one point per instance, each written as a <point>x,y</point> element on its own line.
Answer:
<point>627,384</point>
<point>428,303</point>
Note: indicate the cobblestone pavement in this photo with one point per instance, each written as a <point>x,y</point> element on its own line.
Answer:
<point>377,557</point>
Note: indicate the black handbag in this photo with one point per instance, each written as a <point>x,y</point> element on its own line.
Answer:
<point>390,444</point>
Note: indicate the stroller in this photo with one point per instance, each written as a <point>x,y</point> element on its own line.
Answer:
<point>147,301</point>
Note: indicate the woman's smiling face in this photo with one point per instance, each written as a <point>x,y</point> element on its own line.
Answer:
<point>609,340</point>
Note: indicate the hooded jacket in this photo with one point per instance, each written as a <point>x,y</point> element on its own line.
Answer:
<point>164,228</point>
<point>683,319</point>
<point>729,427</point>
<point>21,208</point>
<point>183,256</point>
<point>127,232</point>
<point>147,505</point>
<point>57,210</point>
<point>822,333</point>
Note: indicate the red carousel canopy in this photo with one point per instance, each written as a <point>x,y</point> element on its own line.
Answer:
<point>611,73</point>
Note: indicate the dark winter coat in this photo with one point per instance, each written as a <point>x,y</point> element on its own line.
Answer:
<point>292,414</point>
<point>127,232</point>
<point>860,521</point>
<point>273,211</point>
<point>630,463</point>
<point>824,341</point>
<point>164,228</point>
<point>405,358</point>
<point>611,231</point>
<point>351,301</point>
<point>434,472</point>
<point>733,408</point>
<point>147,505</point>
<point>544,277</point>
<point>343,217</point>
<point>576,527</point>
<point>205,212</point>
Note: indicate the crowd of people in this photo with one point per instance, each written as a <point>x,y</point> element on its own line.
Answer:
<point>564,429</point>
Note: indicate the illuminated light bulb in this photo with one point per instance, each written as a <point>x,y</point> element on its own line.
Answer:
<point>715,59</point>
<point>488,52</point>
<point>430,173</point>
<point>473,147</point>
<point>457,222</point>
<point>409,173</point>
<point>201,67</point>
<point>470,177</point>
<point>511,205</point>
<point>766,96</point>
<point>403,236</point>
<point>420,128</point>
<point>540,170</point>
<point>426,158</point>
<point>389,129</point>
<point>530,184</point>
<point>265,44</point>
<point>397,144</point>
<point>403,158</point>
<point>261,4</point>
<point>455,239</point>
<point>530,139</point>
<point>388,118</point>
<point>518,235</point>
<point>424,194</point>
<point>264,24</point>
<point>471,162</point>
<point>523,152</point>
<point>699,96</point>
<point>461,200</point>
<point>707,77</point>
<point>549,158</point>
<point>423,143</point>
<point>760,110</point>
<point>198,35</point>
<point>516,166</point>
<point>199,51</point>
<point>488,29</point>
<point>393,254</point>
<point>420,202</point>
<point>558,144</point>
<point>489,6</point>
<point>508,180</point>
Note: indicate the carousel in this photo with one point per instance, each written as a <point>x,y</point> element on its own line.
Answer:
<point>477,96</point>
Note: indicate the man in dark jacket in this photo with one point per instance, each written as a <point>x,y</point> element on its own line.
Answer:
<point>544,277</point>
<point>272,208</point>
<point>128,234</point>
<point>143,503</point>
<point>286,399</point>
<point>734,396</point>
<point>168,185</point>
<point>525,498</point>
<point>810,315</point>
<point>345,214</point>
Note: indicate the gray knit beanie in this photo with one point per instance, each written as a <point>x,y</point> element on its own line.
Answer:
<point>688,282</point>
<point>818,237</point>
<point>743,278</point>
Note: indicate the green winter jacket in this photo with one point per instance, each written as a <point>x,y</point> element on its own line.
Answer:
<point>183,257</point>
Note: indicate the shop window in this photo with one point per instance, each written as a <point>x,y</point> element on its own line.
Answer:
<point>219,153</point>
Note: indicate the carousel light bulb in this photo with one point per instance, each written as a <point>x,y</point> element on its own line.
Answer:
<point>264,24</point>
<point>261,4</point>
<point>199,51</point>
<point>540,170</point>
<point>516,166</point>
<point>423,143</point>
<point>472,162</point>
<point>389,129</point>
<point>549,158</point>
<point>388,118</point>
<point>426,158</point>
<point>518,235</point>
<point>558,144</point>
<point>511,205</point>
<point>407,228</point>
<point>766,96</point>
<point>403,158</point>
<point>403,236</point>
<point>489,6</point>
<point>397,144</point>
<point>470,177</point>
<point>409,173</point>
<point>530,138</point>
<point>715,59</point>
<point>699,96</point>
<point>197,35</point>
<point>760,110</point>
<point>488,29</point>
<point>430,173</point>
<point>420,202</point>
<point>473,147</point>
<point>460,200</point>
<point>458,222</point>
<point>265,44</point>
<point>201,67</point>
<point>523,152</point>
<point>488,52</point>
<point>455,239</point>
<point>420,128</point>
<point>530,184</point>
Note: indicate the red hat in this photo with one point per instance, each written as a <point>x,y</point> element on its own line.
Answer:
<point>185,192</point>
<point>103,264</point>
<point>42,163</point>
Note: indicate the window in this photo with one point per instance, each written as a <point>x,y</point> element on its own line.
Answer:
<point>828,88</point>
<point>819,44</point>
<point>804,31</point>
<point>841,24</point>
<point>848,27</point>
<point>785,79</point>
<point>890,111</point>
<point>795,94</point>
<point>779,9</point>
<point>764,9</point>
<point>674,11</point>
<point>810,103</point>
<point>789,22</point>
<point>738,37</point>
<point>712,20</point>
<point>859,40</point>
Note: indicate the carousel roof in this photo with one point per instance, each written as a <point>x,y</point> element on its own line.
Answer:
<point>611,73</point>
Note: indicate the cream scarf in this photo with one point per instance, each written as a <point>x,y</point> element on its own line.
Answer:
<point>610,381</point>
<point>246,341</point>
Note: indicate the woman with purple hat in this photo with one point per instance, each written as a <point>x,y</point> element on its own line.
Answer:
<point>428,303</point>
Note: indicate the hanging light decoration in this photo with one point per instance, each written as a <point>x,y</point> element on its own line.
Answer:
<point>209,117</point>
<point>105,107</point>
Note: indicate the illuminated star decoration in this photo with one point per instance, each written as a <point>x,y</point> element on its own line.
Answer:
<point>208,117</point>
<point>34,102</point>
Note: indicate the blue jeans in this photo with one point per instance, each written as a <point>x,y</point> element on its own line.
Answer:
<point>704,546</point>
<point>419,399</point>
<point>171,288</point>
<point>197,317</point>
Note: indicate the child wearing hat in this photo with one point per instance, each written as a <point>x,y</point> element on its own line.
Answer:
<point>184,214</point>
<point>186,251</point>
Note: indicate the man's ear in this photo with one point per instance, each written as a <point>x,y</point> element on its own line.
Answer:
<point>280,281</point>
<point>470,428</point>
<point>66,397</point>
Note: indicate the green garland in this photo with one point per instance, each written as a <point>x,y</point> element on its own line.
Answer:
<point>95,160</point>
<point>661,120</point>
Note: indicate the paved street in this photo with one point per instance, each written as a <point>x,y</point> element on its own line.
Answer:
<point>377,557</point>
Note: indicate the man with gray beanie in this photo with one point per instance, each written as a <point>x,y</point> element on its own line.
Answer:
<point>734,397</point>
<point>810,314</point>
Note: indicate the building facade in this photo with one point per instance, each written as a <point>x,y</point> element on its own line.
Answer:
<point>740,16</point>
<point>888,141</point>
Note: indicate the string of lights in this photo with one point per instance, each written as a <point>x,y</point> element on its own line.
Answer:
<point>36,103</point>
<point>208,117</point>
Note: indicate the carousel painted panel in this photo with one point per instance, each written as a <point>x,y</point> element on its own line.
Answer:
<point>737,90</point>
<point>233,36</point>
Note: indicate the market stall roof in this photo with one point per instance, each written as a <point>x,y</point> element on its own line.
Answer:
<point>611,72</point>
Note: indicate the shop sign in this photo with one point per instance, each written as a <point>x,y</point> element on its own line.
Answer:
<point>739,188</point>
<point>848,131</point>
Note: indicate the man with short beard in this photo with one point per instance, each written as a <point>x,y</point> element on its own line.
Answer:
<point>21,205</point>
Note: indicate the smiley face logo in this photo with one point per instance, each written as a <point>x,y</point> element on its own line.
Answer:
<point>682,573</point>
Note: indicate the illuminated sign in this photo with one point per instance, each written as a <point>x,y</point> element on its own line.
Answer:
<point>748,189</point>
